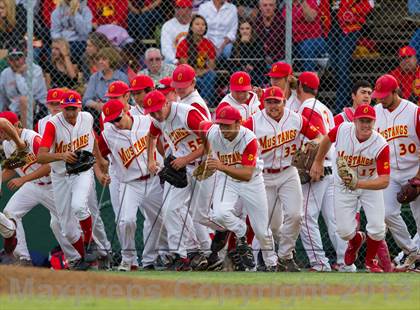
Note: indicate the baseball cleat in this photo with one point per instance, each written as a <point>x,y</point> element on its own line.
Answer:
<point>353,248</point>
<point>345,268</point>
<point>10,244</point>
<point>409,261</point>
<point>288,265</point>
<point>236,260</point>
<point>104,262</point>
<point>245,252</point>
<point>219,240</point>
<point>198,261</point>
<point>181,264</point>
<point>163,262</point>
<point>124,266</point>
<point>78,265</point>
<point>373,267</point>
<point>215,263</point>
<point>150,267</point>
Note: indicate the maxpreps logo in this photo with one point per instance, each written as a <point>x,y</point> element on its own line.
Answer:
<point>231,158</point>
<point>129,154</point>
<point>269,143</point>
<point>399,131</point>
<point>77,144</point>
<point>355,161</point>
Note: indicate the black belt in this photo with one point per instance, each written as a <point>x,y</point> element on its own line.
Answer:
<point>327,171</point>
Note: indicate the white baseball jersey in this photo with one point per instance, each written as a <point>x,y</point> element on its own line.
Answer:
<point>251,107</point>
<point>42,123</point>
<point>71,138</point>
<point>327,118</point>
<point>278,140</point>
<point>293,103</point>
<point>230,152</point>
<point>9,147</point>
<point>360,156</point>
<point>195,97</point>
<point>136,110</point>
<point>399,129</point>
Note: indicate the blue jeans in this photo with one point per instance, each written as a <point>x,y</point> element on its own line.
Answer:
<point>205,86</point>
<point>415,42</point>
<point>310,48</point>
<point>142,26</point>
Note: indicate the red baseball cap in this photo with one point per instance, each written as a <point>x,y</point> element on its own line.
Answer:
<point>365,111</point>
<point>406,51</point>
<point>112,109</point>
<point>55,94</point>
<point>184,3</point>
<point>227,115</point>
<point>141,82</point>
<point>164,85</point>
<point>153,101</point>
<point>280,69</point>
<point>71,98</point>
<point>182,76</point>
<point>117,89</point>
<point>273,93</point>
<point>309,79</point>
<point>240,81</point>
<point>384,86</point>
<point>10,116</point>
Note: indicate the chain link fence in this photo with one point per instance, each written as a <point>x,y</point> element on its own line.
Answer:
<point>86,45</point>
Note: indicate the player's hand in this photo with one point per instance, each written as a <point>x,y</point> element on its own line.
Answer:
<point>179,163</point>
<point>69,157</point>
<point>103,178</point>
<point>347,181</point>
<point>214,164</point>
<point>153,167</point>
<point>15,184</point>
<point>317,171</point>
<point>258,90</point>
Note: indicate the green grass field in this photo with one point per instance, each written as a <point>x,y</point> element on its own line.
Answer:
<point>353,291</point>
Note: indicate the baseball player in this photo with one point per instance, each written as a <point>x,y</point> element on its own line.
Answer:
<point>398,120</point>
<point>139,87</point>
<point>239,177</point>
<point>74,195</point>
<point>366,152</point>
<point>54,96</point>
<point>33,187</point>
<point>241,95</point>
<point>361,94</point>
<point>277,129</point>
<point>165,88</point>
<point>125,138</point>
<point>8,226</point>
<point>318,196</point>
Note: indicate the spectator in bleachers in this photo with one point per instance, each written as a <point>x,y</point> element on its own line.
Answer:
<point>72,20</point>
<point>175,29</point>
<point>270,27</point>
<point>199,53</point>
<point>108,65</point>
<point>12,25</point>
<point>414,10</point>
<point>95,42</point>
<point>106,12</point>
<point>14,89</point>
<point>348,18</point>
<point>131,55</point>
<point>222,21</point>
<point>156,68</point>
<point>247,9</point>
<point>248,52</point>
<point>408,74</point>
<point>143,17</point>
<point>307,32</point>
<point>60,71</point>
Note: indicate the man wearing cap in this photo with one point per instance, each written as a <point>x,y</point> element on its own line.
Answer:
<point>241,95</point>
<point>75,195</point>
<point>318,196</point>
<point>14,90</point>
<point>139,87</point>
<point>277,129</point>
<point>117,90</point>
<point>176,29</point>
<point>164,86</point>
<point>398,120</point>
<point>367,153</point>
<point>124,137</point>
<point>408,74</point>
<point>54,96</point>
<point>239,168</point>
<point>33,187</point>
<point>180,125</point>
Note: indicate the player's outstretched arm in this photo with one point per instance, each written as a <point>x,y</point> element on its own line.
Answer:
<point>380,182</point>
<point>11,132</point>
<point>45,157</point>
<point>7,174</point>
<point>317,169</point>
<point>151,148</point>
<point>42,171</point>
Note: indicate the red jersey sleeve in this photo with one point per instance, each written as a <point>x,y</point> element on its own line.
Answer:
<point>154,131</point>
<point>36,128</point>
<point>182,49</point>
<point>199,108</point>
<point>103,146</point>
<point>310,132</point>
<point>204,127</point>
<point>418,123</point>
<point>194,119</point>
<point>338,119</point>
<point>315,119</point>
<point>49,135</point>
<point>37,143</point>
<point>333,134</point>
<point>382,162</point>
<point>249,157</point>
<point>249,124</point>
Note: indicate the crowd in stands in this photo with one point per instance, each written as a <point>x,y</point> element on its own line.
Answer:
<point>86,45</point>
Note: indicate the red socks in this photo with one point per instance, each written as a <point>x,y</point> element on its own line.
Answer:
<point>371,249</point>
<point>78,245</point>
<point>86,225</point>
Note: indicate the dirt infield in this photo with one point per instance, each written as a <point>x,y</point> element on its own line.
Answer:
<point>23,282</point>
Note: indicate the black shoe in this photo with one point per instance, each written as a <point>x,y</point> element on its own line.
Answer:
<point>271,269</point>
<point>148,268</point>
<point>181,264</point>
<point>164,262</point>
<point>245,252</point>
<point>198,261</point>
<point>90,255</point>
<point>79,265</point>
<point>288,265</point>
<point>219,240</point>
<point>260,262</point>
<point>236,261</point>
<point>215,263</point>
<point>104,262</point>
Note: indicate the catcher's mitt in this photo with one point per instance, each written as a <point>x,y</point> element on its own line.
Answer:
<point>344,170</point>
<point>410,191</point>
<point>201,172</point>
<point>303,160</point>
<point>85,161</point>
<point>177,178</point>
<point>17,159</point>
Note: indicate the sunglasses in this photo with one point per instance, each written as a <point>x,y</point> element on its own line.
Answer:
<point>117,120</point>
<point>155,59</point>
<point>70,108</point>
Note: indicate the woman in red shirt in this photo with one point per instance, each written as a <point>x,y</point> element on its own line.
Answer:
<point>200,53</point>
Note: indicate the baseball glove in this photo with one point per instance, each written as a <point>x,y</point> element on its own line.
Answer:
<point>303,160</point>
<point>201,172</point>
<point>177,178</point>
<point>17,159</point>
<point>85,161</point>
<point>409,192</point>
<point>344,170</point>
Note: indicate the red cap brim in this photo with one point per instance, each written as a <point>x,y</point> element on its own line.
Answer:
<point>66,105</point>
<point>241,88</point>
<point>274,97</point>
<point>365,116</point>
<point>380,95</point>
<point>276,75</point>
<point>175,84</point>
<point>225,121</point>
<point>113,95</point>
